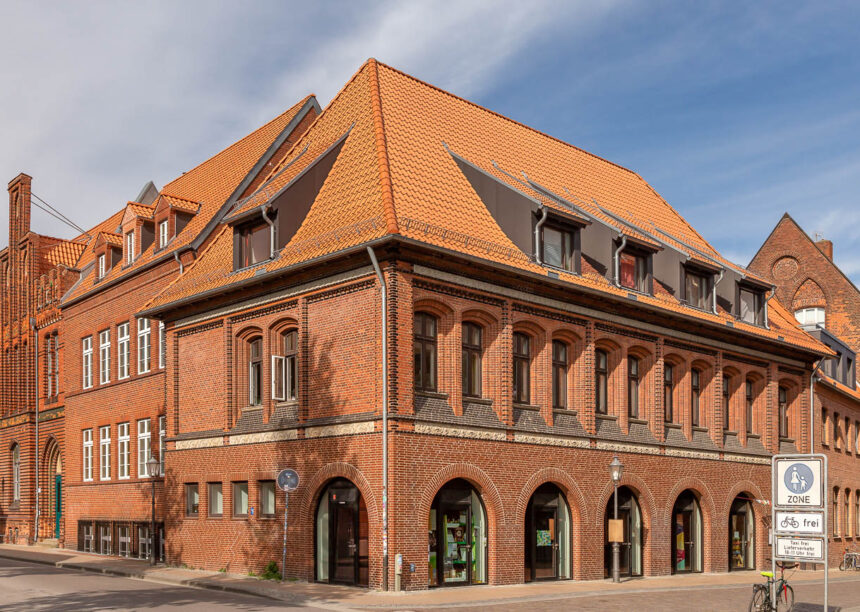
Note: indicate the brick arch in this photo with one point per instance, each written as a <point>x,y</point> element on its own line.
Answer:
<point>481,317</point>
<point>564,481</point>
<point>809,294</point>
<point>566,335</point>
<point>709,515</point>
<point>283,324</point>
<point>648,508</point>
<point>315,485</point>
<point>248,332</point>
<point>743,486</point>
<point>432,306</point>
<point>530,328</point>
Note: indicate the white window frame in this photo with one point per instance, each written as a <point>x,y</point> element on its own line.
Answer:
<point>129,247</point>
<point>104,452</point>
<point>279,374</point>
<point>87,462</point>
<point>87,361</point>
<point>162,345</point>
<point>104,357</point>
<point>123,351</point>
<point>123,451</point>
<point>102,265</point>
<point>162,234</point>
<point>144,345</point>
<point>162,435</point>
<point>144,447</point>
<point>803,316</point>
<point>268,493</point>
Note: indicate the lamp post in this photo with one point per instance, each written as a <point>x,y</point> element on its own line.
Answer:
<point>616,468</point>
<point>152,464</point>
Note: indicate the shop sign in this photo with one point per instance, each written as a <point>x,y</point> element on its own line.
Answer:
<point>811,523</point>
<point>799,549</point>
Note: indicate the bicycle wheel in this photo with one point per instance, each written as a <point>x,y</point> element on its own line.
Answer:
<point>758,603</point>
<point>785,598</point>
<point>843,565</point>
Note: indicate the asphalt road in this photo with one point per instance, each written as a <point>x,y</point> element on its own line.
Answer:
<point>35,587</point>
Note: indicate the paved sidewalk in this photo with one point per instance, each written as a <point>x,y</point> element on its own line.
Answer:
<point>347,598</point>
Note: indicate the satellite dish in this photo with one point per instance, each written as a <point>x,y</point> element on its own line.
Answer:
<point>288,480</point>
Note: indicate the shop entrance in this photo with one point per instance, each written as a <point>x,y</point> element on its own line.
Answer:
<point>686,534</point>
<point>741,534</point>
<point>341,535</point>
<point>547,541</point>
<point>630,559</point>
<point>457,537</point>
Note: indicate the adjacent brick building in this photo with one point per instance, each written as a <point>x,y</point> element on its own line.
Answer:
<point>827,304</point>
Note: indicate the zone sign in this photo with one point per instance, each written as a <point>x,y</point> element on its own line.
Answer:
<point>799,482</point>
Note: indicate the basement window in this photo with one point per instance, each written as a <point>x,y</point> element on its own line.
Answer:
<point>250,245</point>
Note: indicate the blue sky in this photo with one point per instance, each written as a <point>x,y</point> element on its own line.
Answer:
<point>734,112</point>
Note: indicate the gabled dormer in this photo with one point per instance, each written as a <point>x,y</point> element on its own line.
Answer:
<point>108,251</point>
<point>138,230</point>
<point>171,215</point>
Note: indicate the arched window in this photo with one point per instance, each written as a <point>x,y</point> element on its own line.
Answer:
<point>424,351</point>
<point>835,511</point>
<point>285,368</point>
<point>810,316</point>
<point>472,349</point>
<point>750,401</point>
<point>669,392</point>
<point>783,412</point>
<point>846,517</point>
<point>601,372</point>
<point>695,396</point>
<point>255,371</point>
<point>633,387</point>
<point>522,361</point>
<point>16,473</point>
<point>559,374</point>
<point>727,397</point>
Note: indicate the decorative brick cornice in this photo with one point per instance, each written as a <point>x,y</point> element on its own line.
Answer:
<point>262,312</point>
<point>692,348</point>
<point>190,331</point>
<point>548,314</point>
<point>456,292</point>
<point>342,290</point>
<point>621,331</point>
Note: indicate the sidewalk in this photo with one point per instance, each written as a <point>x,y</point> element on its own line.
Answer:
<point>348,598</point>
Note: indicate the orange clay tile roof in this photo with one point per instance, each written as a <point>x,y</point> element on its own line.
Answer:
<point>110,238</point>
<point>140,210</point>
<point>395,175</point>
<point>205,188</point>
<point>66,253</point>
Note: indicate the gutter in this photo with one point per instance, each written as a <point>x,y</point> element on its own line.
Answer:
<point>384,305</point>
<point>812,404</point>
<point>36,452</point>
<point>714,293</point>
<point>768,299</point>
<point>617,261</point>
<point>545,213</point>
<point>179,261</point>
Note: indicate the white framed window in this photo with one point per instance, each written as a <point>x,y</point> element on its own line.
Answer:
<point>102,265</point>
<point>216,498</point>
<point>122,353</point>
<point>88,455</point>
<point>144,345</point>
<point>162,434</point>
<point>162,234</point>
<point>104,452</point>
<point>144,448</point>
<point>240,499</point>
<point>810,316</point>
<point>278,378</point>
<point>267,498</point>
<point>124,537</point>
<point>162,345</point>
<point>104,357</point>
<point>87,362</point>
<point>123,451</point>
<point>16,473</point>
<point>129,247</point>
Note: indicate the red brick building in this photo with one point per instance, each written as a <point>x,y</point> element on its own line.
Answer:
<point>536,311</point>
<point>827,304</point>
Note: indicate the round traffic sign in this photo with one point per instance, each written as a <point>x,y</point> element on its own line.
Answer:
<point>288,480</point>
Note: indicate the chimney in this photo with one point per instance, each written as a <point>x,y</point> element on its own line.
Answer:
<point>826,247</point>
<point>19,208</point>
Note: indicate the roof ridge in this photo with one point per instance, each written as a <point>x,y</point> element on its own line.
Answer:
<point>501,116</point>
<point>382,150</point>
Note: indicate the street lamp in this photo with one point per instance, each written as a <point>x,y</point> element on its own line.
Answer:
<point>616,468</point>
<point>152,464</point>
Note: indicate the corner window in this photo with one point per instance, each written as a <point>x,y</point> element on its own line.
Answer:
<point>285,368</point>
<point>633,387</point>
<point>750,399</point>
<point>162,234</point>
<point>472,349</point>
<point>751,305</point>
<point>558,247</point>
<point>215,493</point>
<point>192,499</point>
<point>240,499</point>
<point>633,271</point>
<point>669,392</point>
<point>783,412</point>
<point>255,372</point>
<point>559,374</point>
<point>697,289</point>
<point>424,351</point>
<point>601,372</point>
<point>522,361</point>
<point>695,396</point>
<point>810,316</point>
<point>267,498</point>
<point>252,245</point>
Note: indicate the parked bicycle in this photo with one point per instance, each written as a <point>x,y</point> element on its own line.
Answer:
<point>850,560</point>
<point>761,598</point>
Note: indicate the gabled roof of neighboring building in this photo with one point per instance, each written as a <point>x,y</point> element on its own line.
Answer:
<point>204,190</point>
<point>396,174</point>
<point>66,253</point>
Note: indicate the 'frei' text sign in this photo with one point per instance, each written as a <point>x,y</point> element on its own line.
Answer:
<point>797,549</point>
<point>811,523</point>
<point>799,482</point>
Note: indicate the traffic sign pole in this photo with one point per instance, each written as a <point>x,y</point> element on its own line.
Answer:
<point>284,554</point>
<point>288,480</point>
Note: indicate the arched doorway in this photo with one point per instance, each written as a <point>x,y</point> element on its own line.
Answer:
<point>687,534</point>
<point>52,501</point>
<point>741,534</point>
<point>547,535</point>
<point>341,540</point>
<point>630,562</point>
<point>457,536</point>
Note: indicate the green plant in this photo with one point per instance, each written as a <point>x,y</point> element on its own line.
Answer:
<point>271,572</point>
<point>223,570</point>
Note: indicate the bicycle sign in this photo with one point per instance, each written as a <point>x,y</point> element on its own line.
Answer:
<point>807,523</point>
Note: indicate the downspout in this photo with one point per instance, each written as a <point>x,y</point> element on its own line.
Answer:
<point>714,296</point>
<point>179,261</point>
<point>36,346</point>
<point>271,234</point>
<point>812,405</point>
<point>772,293</point>
<point>617,259</point>
<point>384,417</point>
<point>538,227</point>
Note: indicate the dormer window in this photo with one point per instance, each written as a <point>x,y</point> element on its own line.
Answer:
<point>633,271</point>
<point>162,234</point>
<point>129,247</point>
<point>751,306</point>
<point>558,247</point>
<point>102,265</point>
<point>251,245</point>
<point>697,288</point>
